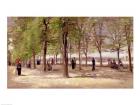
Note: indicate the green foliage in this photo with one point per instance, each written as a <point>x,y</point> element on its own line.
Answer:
<point>27,39</point>
<point>27,33</point>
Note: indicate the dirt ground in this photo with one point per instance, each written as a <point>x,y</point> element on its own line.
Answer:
<point>102,77</point>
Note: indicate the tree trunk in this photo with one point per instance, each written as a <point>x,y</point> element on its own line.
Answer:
<point>70,49</point>
<point>45,22</point>
<point>100,58</point>
<point>70,57</point>
<point>86,58</point>
<point>118,56</point>
<point>79,47</point>
<point>127,35</point>
<point>62,59</point>
<point>44,56</point>
<point>34,64</point>
<point>56,58</point>
<point>30,63</point>
<point>26,63</point>
<point>65,56</point>
<point>86,51</point>
<point>70,54</point>
<point>9,58</point>
<point>65,50</point>
<point>129,55</point>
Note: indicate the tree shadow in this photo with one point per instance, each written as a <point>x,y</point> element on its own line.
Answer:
<point>55,70</point>
<point>23,75</point>
<point>83,76</point>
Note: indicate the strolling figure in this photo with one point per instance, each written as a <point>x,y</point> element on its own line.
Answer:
<point>52,63</point>
<point>38,61</point>
<point>73,63</point>
<point>19,68</point>
<point>93,64</point>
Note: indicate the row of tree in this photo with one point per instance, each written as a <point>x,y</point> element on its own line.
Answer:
<point>31,36</point>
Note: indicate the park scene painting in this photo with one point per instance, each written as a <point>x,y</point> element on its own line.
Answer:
<point>70,52</point>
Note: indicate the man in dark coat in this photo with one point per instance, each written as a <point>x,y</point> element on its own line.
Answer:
<point>38,61</point>
<point>93,64</point>
<point>19,68</point>
<point>73,63</point>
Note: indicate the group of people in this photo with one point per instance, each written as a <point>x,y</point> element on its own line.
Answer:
<point>114,65</point>
<point>73,63</point>
<point>18,65</point>
<point>38,62</point>
<point>111,63</point>
<point>50,64</point>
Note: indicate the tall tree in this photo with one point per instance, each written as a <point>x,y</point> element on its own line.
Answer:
<point>128,30</point>
<point>45,40</point>
<point>80,28</point>
<point>65,44</point>
<point>115,36</point>
<point>32,36</point>
<point>98,35</point>
<point>87,37</point>
<point>19,25</point>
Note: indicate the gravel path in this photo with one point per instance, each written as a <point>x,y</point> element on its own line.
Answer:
<point>102,77</point>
